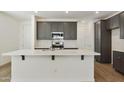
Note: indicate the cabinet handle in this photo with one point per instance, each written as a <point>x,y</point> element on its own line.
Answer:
<point>53,57</point>
<point>82,57</point>
<point>23,57</point>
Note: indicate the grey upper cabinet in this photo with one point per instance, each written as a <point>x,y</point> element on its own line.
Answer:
<point>56,26</point>
<point>60,27</point>
<point>113,22</point>
<point>43,31</point>
<point>70,30</point>
<point>116,23</point>
<point>122,26</point>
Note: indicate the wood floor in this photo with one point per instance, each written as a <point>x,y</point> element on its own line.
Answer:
<point>103,73</point>
<point>106,73</point>
<point>5,72</point>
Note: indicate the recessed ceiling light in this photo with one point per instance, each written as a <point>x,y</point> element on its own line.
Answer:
<point>97,12</point>
<point>66,12</point>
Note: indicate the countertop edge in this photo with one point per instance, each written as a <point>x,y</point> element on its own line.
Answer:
<point>28,52</point>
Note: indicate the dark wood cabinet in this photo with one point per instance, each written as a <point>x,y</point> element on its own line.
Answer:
<point>102,42</point>
<point>113,22</point>
<point>118,61</point>
<point>44,30</point>
<point>122,25</point>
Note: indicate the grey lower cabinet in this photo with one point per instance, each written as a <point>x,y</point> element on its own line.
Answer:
<point>44,30</point>
<point>118,61</point>
<point>102,39</point>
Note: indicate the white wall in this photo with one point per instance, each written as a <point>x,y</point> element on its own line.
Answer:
<point>25,35</point>
<point>9,35</point>
<point>117,43</point>
<point>85,34</point>
<point>85,37</point>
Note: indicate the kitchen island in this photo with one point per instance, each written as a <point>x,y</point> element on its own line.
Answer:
<point>46,65</point>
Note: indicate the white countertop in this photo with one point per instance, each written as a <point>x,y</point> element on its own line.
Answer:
<point>49,52</point>
<point>119,50</point>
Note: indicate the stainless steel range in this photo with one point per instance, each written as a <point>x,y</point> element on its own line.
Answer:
<point>57,40</point>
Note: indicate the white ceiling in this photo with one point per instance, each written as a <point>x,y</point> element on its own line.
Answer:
<point>26,15</point>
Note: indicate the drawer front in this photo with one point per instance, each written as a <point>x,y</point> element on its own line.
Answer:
<point>122,62</point>
<point>117,60</point>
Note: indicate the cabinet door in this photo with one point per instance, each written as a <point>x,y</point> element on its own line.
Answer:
<point>110,23</point>
<point>116,21</point>
<point>32,69</point>
<point>56,26</point>
<point>60,27</point>
<point>70,30</point>
<point>43,31</point>
<point>70,68</point>
<point>122,25</point>
<point>122,62</point>
<point>97,37</point>
<point>113,22</point>
<point>117,60</point>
